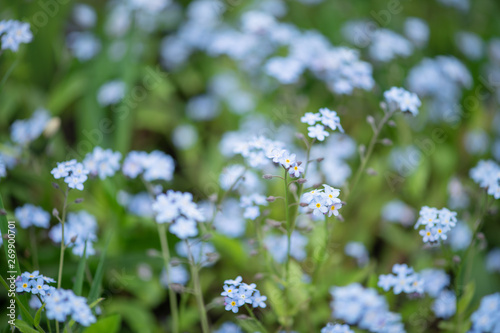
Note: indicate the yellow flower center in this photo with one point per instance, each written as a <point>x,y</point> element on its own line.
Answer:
<point>25,285</point>
<point>318,205</point>
<point>39,287</point>
<point>428,233</point>
<point>233,303</point>
<point>439,231</point>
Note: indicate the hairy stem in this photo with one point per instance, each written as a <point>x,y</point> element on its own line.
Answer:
<point>198,292</point>
<point>166,261</point>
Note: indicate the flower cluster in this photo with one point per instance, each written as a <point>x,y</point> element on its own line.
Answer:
<point>445,304</point>
<point>487,175</point>
<point>34,283</point>
<point>139,204</point>
<point>74,173</point>
<point>487,317</point>
<point>404,280</point>
<point>14,33</point>
<point>24,131</point>
<point>324,201</point>
<point>336,328</point>
<point>30,215</point>
<point>365,308</point>
<point>327,118</point>
<point>287,160</point>
<point>251,205</point>
<point>400,99</point>
<point>178,209</point>
<point>153,166</point>
<point>62,303</point>
<point>237,293</point>
<point>358,251</point>
<point>203,253</point>
<point>102,162</point>
<point>111,92</point>
<point>437,222</point>
<point>256,150</point>
<point>277,246</point>
<point>79,231</point>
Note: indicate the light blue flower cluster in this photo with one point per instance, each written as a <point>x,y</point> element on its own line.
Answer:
<point>111,92</point>
<point>204,253</point>
<point>62,303</point>
<point>83,45</point>
<point>102,162</point>
<point>79,230</point>
<point>402,100</point>
<point>74,173</point>
<point>256,150</point>
<point>229,219</point>
<point>364,308</point>
<point>175,274</point>
<point>140,204</point>
<point>404,279</point>
<point>336,328</point>
<point>323,201</point>
<point>358,251</point>
<point>386,45</point>
<point>442,81</point>
<point>30,215</point>
<point>487,175</point>
<point>14,33</point>
<point>287,160</point>
<point>437,222</point>
<point>251,205</point>
<point>238,178</point>
<point>435,281</point>
<point>229,327</point>
<point>277,246</point>
<point>493,261</point>
<point>237,293</point>
<point>445,304</point>
<point>487,317</point>
<point>24,131</point>
<point>180,211</point>
<point>327,118</point>
<point>399,212</point>
<point>153,166</point>
<point>34,283</point>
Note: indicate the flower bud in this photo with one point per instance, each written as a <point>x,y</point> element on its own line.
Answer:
<point>73,239</point>
<point>371,172</point>
<point>270,198</point>
<point>320,159</point>
<point>55,212</point>
<point>386,142</point>
<point>301,180</point>
<point>79,200</point>
<point>303,204</point>
<point>370,120</point>
<point>391,123</point>
<point>299,136</point>
<point>3,212</point>
<point>267,176</point>
<point>55,185</point>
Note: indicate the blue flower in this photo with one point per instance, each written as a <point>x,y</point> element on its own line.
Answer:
<point>102,162</point>
<point>336,328</point>
<point>317,132</point>
<point>23,285</point>
<point>30,215</point>
<point>445,305</point>
<point>400,99</point>
<point>14,33</point>
<point>38,286</point>
<point>183,228</point>
<point>154,166</point>
<point>231,305</point>
<point>258,300</point>
<point>62,303</point>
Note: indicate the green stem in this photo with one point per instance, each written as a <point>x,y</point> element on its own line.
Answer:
<point>250,311</point>
<point>63,245</point>
<point>166,261</point>
<point>459,281</point>
<point>366,156</point>
<point>198,292</point>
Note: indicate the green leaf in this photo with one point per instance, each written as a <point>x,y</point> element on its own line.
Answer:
<point>110,324</point>
<point>24,327</point>
<point>38,315</point>
<point>466,298</point>
<point>77,287</point>
<point>96,284</point>
<point>250,325</point>
<point>276,299</point>
<point>134,313</point>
